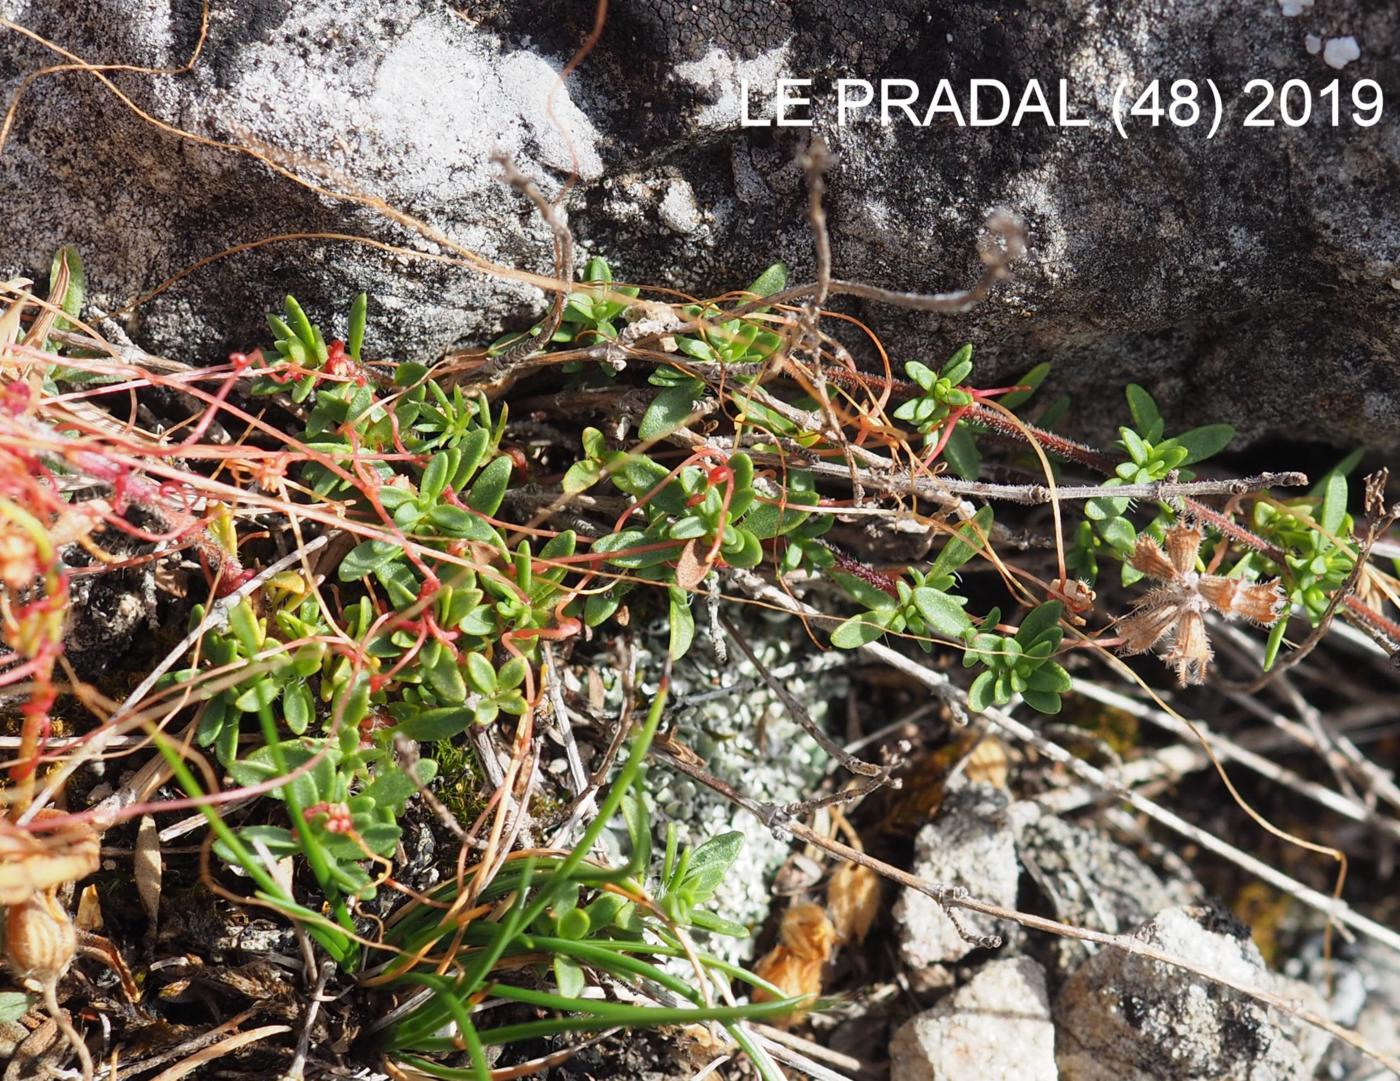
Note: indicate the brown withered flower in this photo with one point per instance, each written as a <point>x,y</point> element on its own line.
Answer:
<point>1175,610</point>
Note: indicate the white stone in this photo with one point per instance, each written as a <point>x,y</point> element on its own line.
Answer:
<point>1340,52</point>
<point>971,844</point>
<point>996,1028</point>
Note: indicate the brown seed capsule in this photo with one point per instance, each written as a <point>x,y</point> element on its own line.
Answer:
<point>853,900</point>
<point>40,941</point>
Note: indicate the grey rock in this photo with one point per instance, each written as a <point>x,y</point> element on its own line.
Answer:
<point>1247,278</point>
<point>1089,880</point>
<point>1125,1017</point>
<point>996,1027</point>
<point>1366,998</point>
<point>971,845</point>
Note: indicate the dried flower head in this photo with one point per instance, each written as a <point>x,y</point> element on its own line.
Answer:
<point>1175,610</point>
<point>794,966</point>
<point>853,900</point>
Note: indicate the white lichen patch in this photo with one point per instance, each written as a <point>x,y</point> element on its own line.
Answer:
<point>723,77</point>
<point>1339,52</point>
<point>1293,8</point>
<point>1313,44</point>
<point>744,735</point>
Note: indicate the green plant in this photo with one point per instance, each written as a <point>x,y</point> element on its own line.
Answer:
<point>1151,458</point>
<point>587,923</point>
<point>1022,664</point>
<point>923,605</point>
<point>1313,535</point>
<point>939,411</point>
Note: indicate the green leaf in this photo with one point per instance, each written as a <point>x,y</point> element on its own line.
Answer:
<point>581,476</point>
<point>711,862</point>
<point>682,622</point>
<point>667,412</point>
<point>969,539</point>
<point>14,1005</point>
<point>1050,679</point>
<point>961,452</point>
<point>445,678</point>
<point>980,694</point>
<point>435,478</point>
<point>687,528</point>
<point>959,365</point>
<point>300,324</point>
<point>772,280</point>
<point>856,632</point>
<point>391,788</point>
<point>261,693</point>
<point>1038,621</point>
<point>1334,504</point>
<point>245,627</point>
<point>355,339</point>
<point>921,374</point>
<point>457,522</point>
<point>568,976</point>
<point>1143,409</point>
<point>942,613</point>
<point>1133,444</point>
<point>443,722</point>
<point>298,708</point>
<point>490,487</point>
<point>481,674</point>
<point>863,592</point>
<point>1201,443</point>
<point>366,558</point>
<point>72,300</point>
<point>1032,380</point>
<point>1271,647</point>
<point>1042,701</point>
<point>512,674</point>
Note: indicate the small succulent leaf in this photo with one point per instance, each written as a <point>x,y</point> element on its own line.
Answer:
<point>667,412</point>
<point>682,622</point>
<point>967,540</point>
<point>1042,701</point>
<point>710,863</point>
<point>489,488</point>
<point>961,452</point>
<point>1204,442</point>
<point>1040,619</point>
<point>1142,408</point>
<point>1031,380</point>
<point>941,612</point>
<point>443,722</point>
<point>857,631</point>
<point>861,591</point>
<point>1334,503</point>
<point>979,695</point>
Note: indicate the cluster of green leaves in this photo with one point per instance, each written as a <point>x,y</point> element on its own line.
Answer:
<point>923,606</point>
<point>943,398</point>
<point>590,314</point>
<point>1151,458</point>
<point>1314,534</point>
<point>706,510</point>
<point>1022,664</point>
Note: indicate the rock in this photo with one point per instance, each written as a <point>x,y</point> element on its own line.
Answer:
<point>1088,880</point>
<point>1242,278</point>
<point>1124,1017</point>
<point>995,1028</point>
<point>970,844</point>
<point>1365,997</point>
